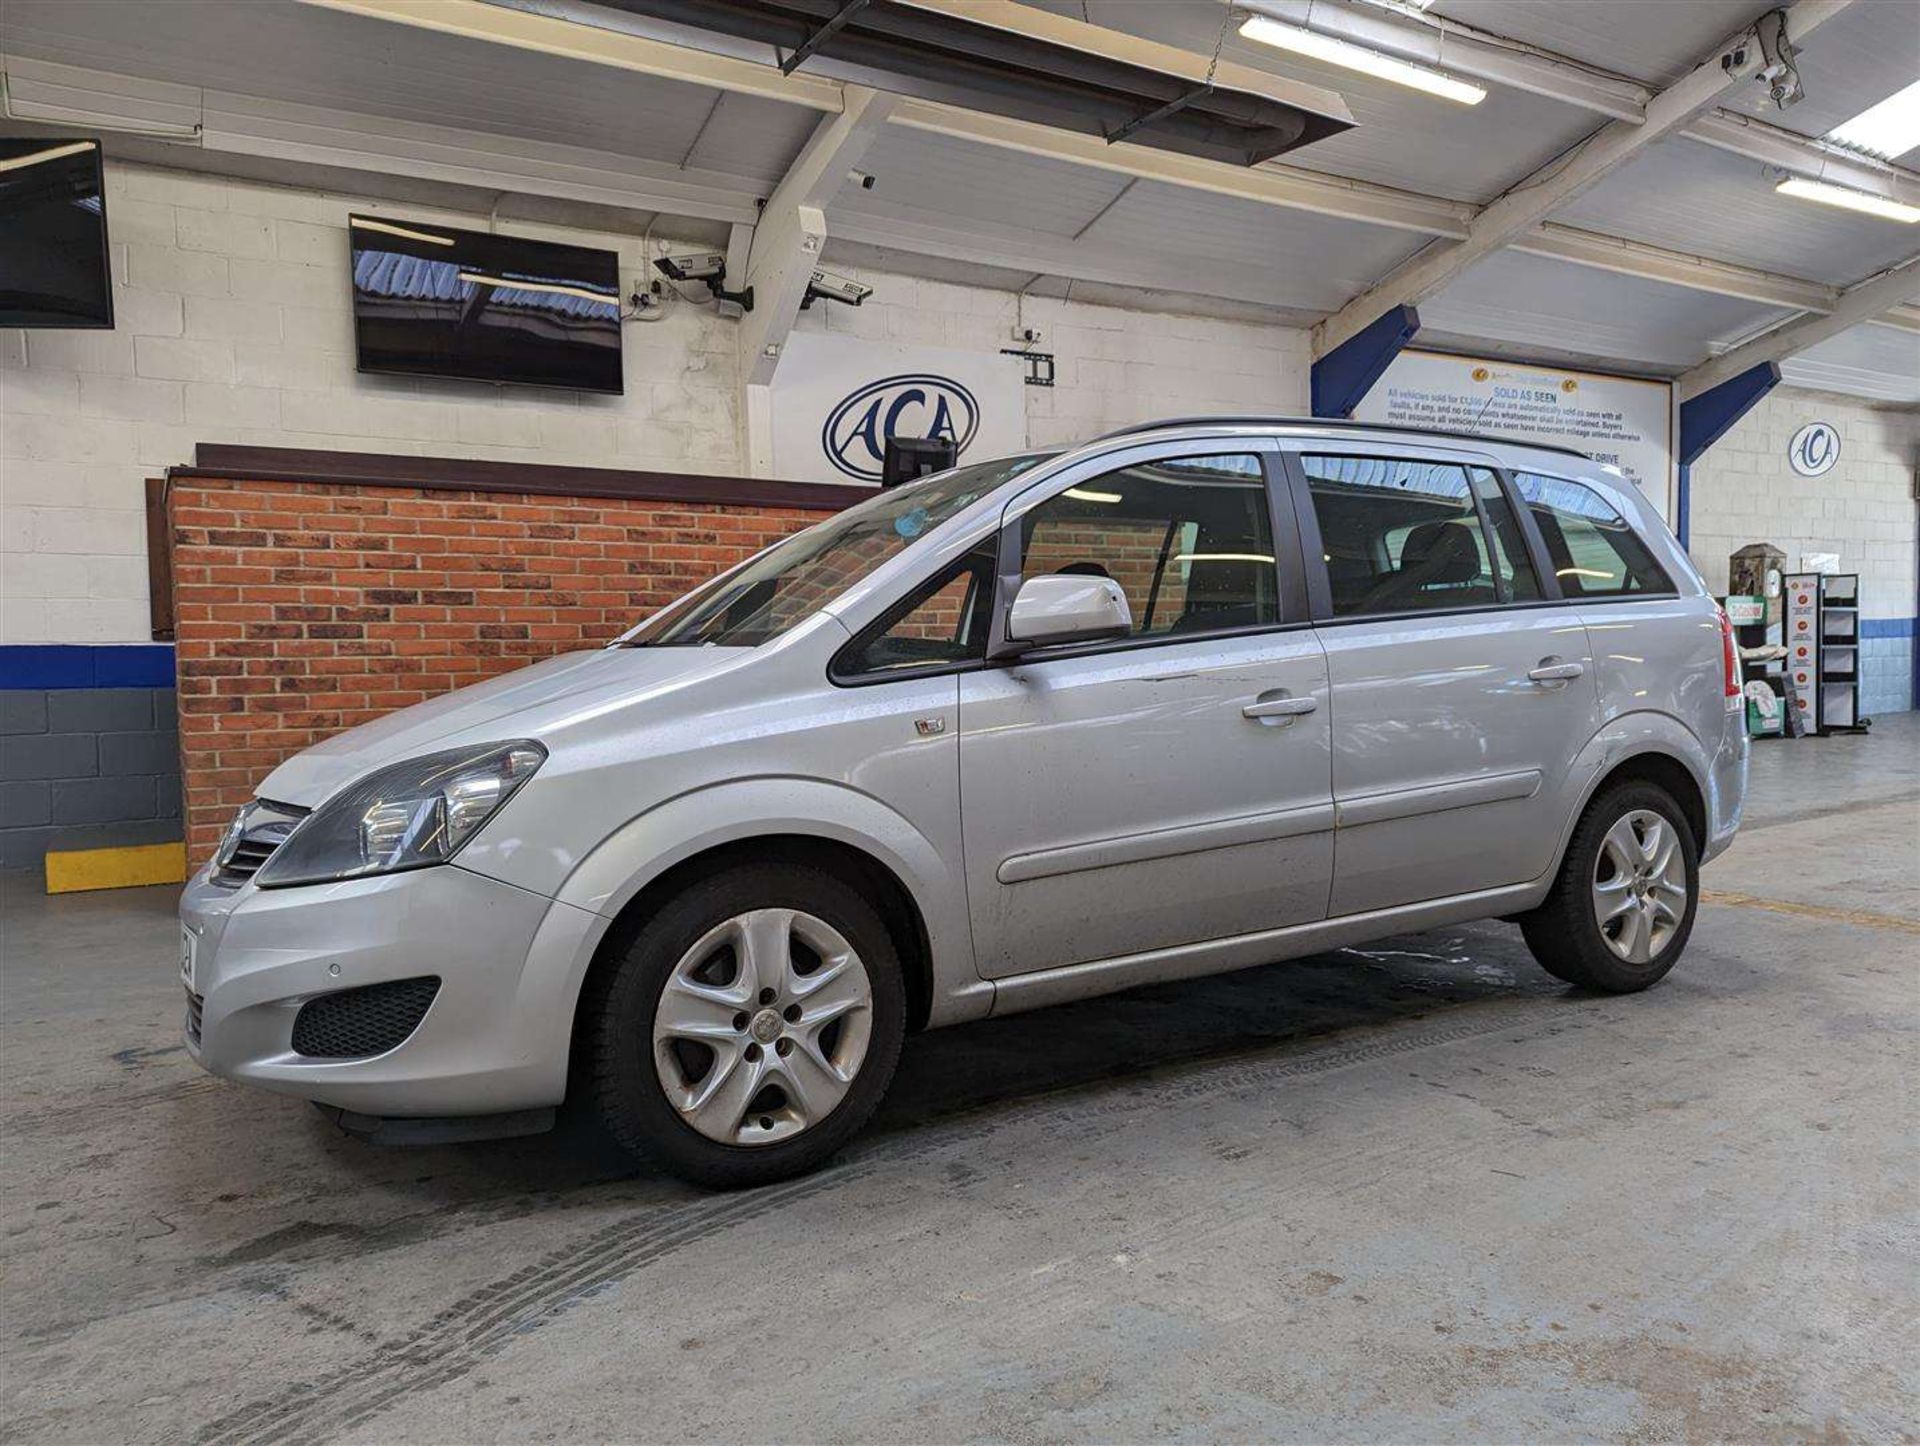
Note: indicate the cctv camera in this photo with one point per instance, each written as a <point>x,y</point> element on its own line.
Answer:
<point>830,287</point>
<point>693,266</point>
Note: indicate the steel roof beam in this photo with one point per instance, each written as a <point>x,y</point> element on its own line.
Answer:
<point>1558,182</point>
<point>1468,51</point>
<point>786,247</point>
<point>1858,304</point>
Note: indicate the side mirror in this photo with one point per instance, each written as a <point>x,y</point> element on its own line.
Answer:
<point>1065,608</point>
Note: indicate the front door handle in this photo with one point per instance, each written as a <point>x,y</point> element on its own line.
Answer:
<point>1556,672</point>
<point>1265,708</point>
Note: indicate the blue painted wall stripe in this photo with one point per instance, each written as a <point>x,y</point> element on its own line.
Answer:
<point>150,665</point>
<point>62,665</point>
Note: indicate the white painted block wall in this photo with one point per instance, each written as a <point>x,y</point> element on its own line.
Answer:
<point>1744,491</point>
<point>233,324</point>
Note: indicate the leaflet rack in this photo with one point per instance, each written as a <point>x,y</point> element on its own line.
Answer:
<point>1823,650</point>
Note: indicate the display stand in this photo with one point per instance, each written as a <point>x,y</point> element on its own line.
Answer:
<point>1823,650</point>
<point>1840,652</point>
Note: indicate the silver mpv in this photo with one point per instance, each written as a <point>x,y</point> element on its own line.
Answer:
<point>1191,697</point>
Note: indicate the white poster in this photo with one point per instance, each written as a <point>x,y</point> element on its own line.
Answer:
<point>836,400</point>
<point>1622,420</point>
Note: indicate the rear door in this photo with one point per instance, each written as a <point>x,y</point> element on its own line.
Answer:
<point>1173,786</point>
<point>1462,687</point>
<point>1653,648</point>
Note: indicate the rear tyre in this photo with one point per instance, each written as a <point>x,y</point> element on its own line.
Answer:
<point>749,1030</point>
<point>1623,904</point>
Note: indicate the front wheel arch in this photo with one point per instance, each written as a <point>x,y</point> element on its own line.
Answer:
<point>898,910</point>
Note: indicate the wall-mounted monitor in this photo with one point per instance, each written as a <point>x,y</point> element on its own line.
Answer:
<point>430,300</point>
<point>53,235</point>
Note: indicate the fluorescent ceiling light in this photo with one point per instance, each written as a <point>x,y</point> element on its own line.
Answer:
<point>1851,199</point>
<point>1086,496</point>
<point>1345,53</point>
<point>1891,128</point>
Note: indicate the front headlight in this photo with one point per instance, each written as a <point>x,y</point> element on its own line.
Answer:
<point>408,816</point>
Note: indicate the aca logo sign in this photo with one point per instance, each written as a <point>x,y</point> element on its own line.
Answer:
<point>919,404</point>
<point>1814,449</point>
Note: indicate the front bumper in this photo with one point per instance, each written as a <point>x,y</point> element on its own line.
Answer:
<point>495,1038</point>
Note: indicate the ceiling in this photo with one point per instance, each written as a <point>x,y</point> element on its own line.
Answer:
<point>564,130</point>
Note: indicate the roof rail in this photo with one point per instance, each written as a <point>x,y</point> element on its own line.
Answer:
<point>1335,423</point>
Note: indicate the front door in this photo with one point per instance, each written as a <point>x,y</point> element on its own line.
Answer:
<point>1461,695</point>
<point>1166,788</point>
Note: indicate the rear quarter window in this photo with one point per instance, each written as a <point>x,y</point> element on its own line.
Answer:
<point>1592,550</point>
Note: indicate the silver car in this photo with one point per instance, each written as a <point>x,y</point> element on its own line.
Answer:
<point>1191,697</point>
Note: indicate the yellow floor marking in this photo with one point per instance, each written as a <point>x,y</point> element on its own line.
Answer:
<point>1813,911</point>
<point>70,871</point>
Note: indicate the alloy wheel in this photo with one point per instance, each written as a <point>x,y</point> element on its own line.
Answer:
<point>1639,886</point>
<point>762,1027</point>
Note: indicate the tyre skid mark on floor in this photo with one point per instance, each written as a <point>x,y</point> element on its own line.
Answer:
<point>454,1342</point>
<point>485,1321</point>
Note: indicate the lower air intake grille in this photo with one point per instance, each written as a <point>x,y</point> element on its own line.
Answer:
<point>194,1003</point>
<point>358,1022</point>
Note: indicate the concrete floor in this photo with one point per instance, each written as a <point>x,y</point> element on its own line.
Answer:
<point>1412,1192</point>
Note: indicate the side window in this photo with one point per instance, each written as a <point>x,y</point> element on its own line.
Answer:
<point>1400,535</point>
<point>942,624</point>
<point>1592,550</point>
<point>1189,540</point>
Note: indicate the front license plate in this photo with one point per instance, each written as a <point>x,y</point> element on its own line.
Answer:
<point>188,946</point>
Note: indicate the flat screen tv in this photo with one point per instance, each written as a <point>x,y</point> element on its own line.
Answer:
<point>430,300</point>
<point>53,235</point>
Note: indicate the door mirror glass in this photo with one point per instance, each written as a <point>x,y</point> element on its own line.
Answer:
<point>1067,608</point>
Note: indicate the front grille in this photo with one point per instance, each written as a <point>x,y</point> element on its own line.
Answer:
<point>194,1005</point>
<point>260,829</point>
<point>355,1023</point>
<point>247,856</point>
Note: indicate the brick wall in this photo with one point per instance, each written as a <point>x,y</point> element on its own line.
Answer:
<point>301,610</point>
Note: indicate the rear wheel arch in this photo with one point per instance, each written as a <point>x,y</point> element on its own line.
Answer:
<point>1647,745</point>
<point>1667,773</point>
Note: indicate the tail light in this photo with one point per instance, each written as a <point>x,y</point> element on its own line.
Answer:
<point>1729,659</point>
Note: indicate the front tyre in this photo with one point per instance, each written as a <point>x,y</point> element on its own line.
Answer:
<point>1623,904</point>
<point>750,1029</point>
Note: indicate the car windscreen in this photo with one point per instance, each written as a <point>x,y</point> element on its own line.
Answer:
<point>795,579</point>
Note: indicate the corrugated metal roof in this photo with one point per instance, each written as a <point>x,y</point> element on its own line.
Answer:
<point>1575,309</point>
<point>1695,198</point>
<point>1680,195</point>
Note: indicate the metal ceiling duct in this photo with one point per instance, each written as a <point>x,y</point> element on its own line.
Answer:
<point>1013,60</point>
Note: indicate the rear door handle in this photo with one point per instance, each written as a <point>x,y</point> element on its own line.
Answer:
<point>1556,672</point>
<point>1279,708</point>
